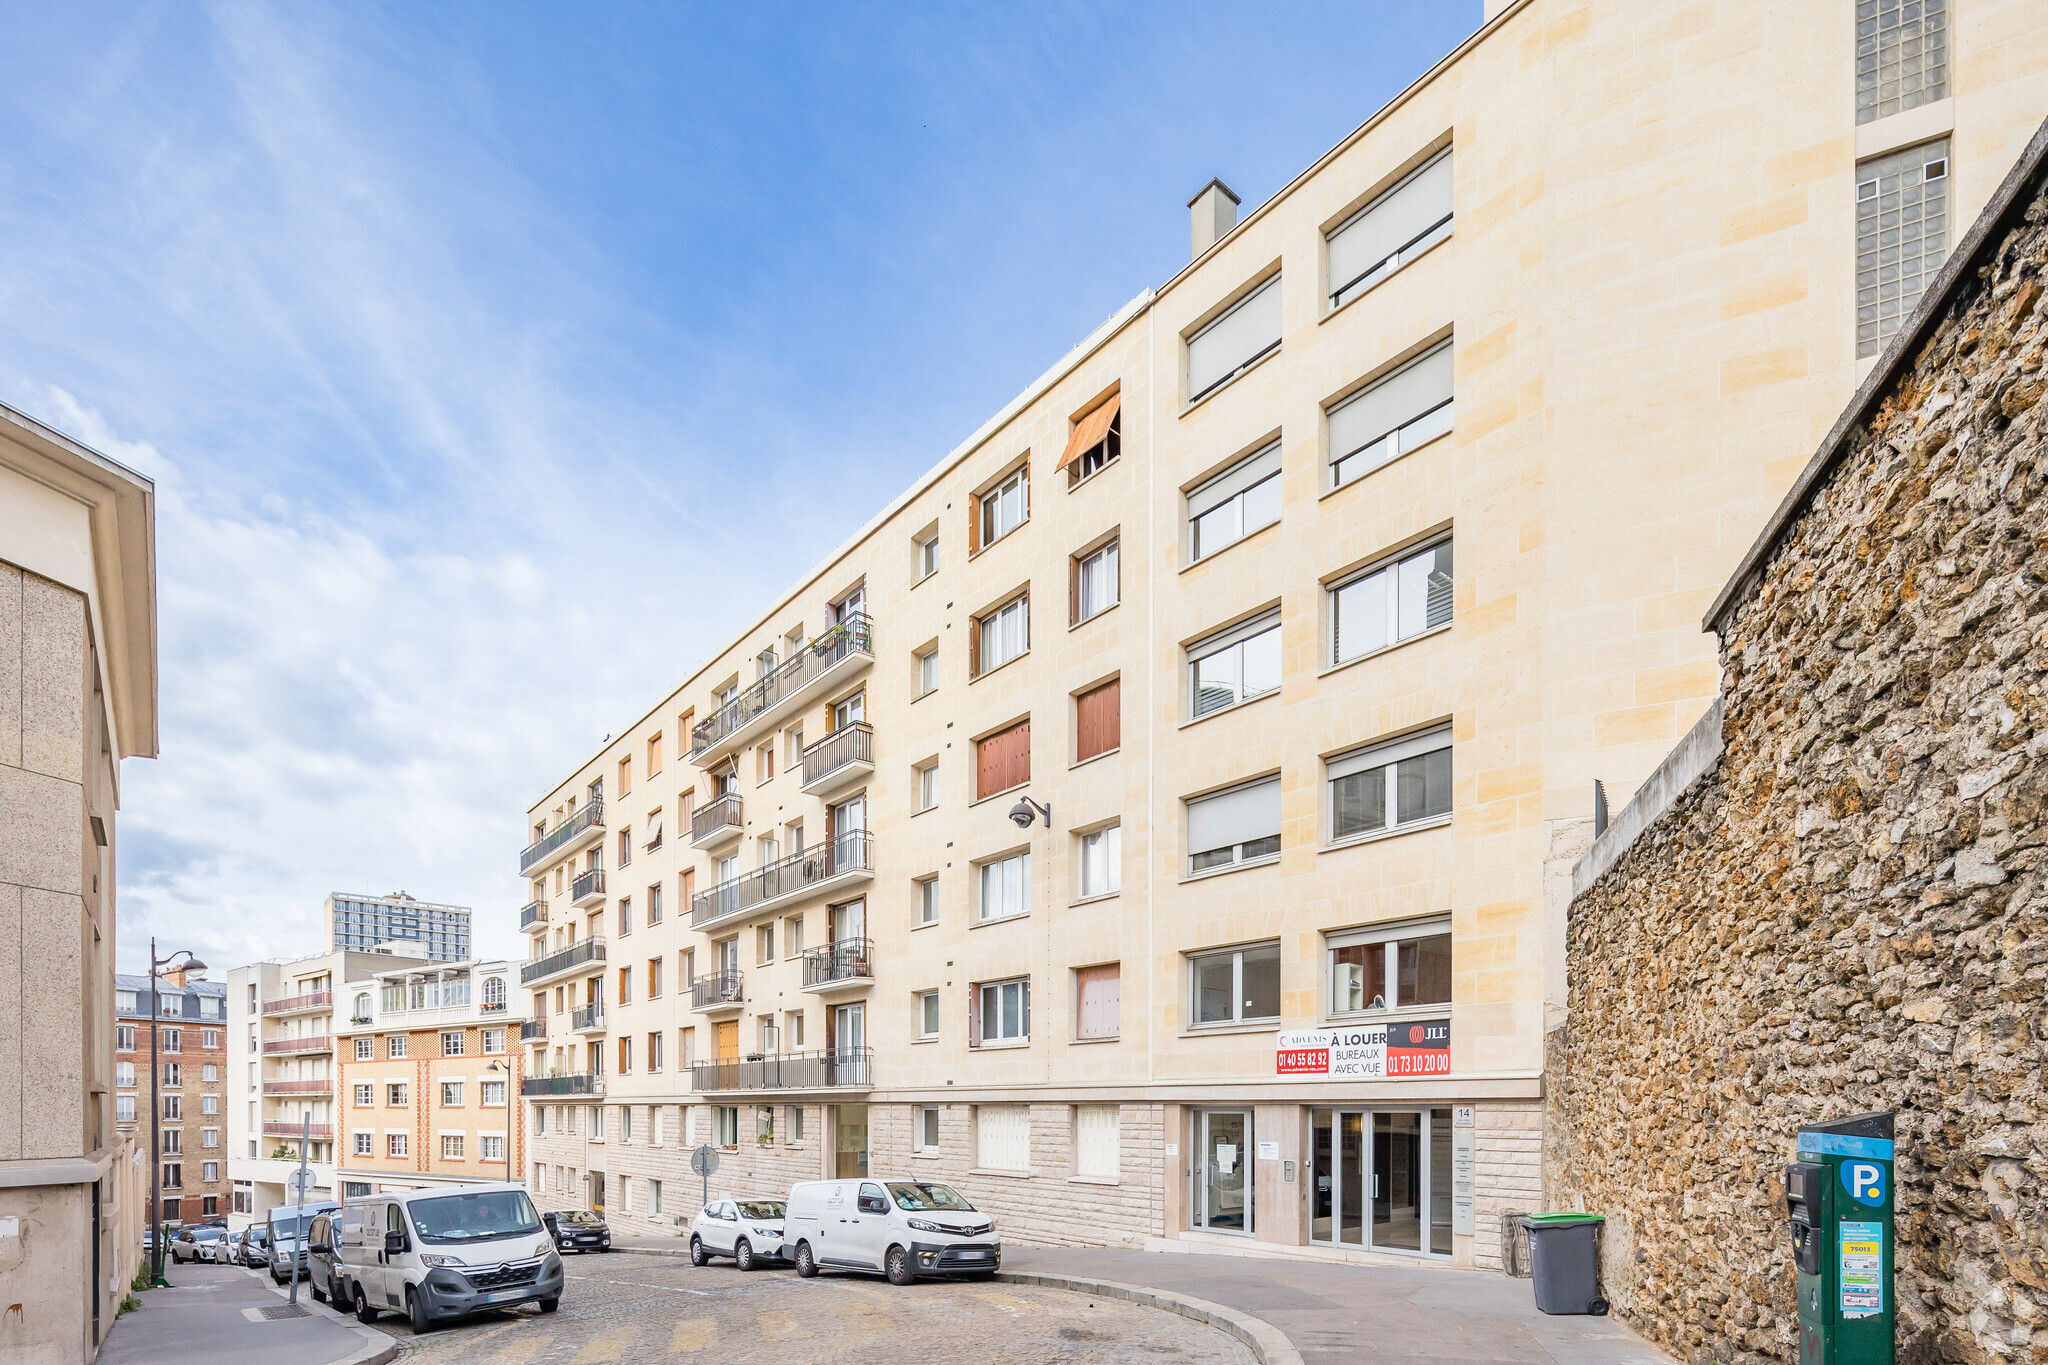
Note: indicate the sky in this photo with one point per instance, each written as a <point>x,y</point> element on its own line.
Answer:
<point>495,364</point>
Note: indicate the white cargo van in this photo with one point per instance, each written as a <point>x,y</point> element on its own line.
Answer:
<point>903,1228</point>
<point>440,1253</point>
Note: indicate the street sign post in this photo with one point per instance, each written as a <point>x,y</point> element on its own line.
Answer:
<point>704,1161</point>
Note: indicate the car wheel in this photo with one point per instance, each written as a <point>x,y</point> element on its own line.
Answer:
<point>698,1255</point>
<point>806,1264</point>
<point>897,1265</point>
<point>743,1254</point>
<point>364,1311</point>
<point>416,1307</point>
<point>550,1305</point>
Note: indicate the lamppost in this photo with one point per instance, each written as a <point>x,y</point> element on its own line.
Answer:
<point>156,1105</point>
<point>507,1070</point>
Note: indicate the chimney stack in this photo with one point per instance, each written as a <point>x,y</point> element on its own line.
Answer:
<point>1212,213</point>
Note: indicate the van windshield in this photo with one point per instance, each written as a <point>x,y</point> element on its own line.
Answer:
<point>290,1225</point>
<point>915,1196</point>
<point>761,1208</point>
<point>474,1217</point>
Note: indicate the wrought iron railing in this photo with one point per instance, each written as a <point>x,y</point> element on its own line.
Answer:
<point>850,852</point>
<point>720,816</point>
<point>850,637</point>
<point>853,743</point>
<point>590,816</point>
<point>849,959</point>
<point>590,884</point>
<point>588,1016</point>
<point>846,1066</point>
<point>533,1028</point>
<point>575,955</point>
<point>715,988</point>
<point>582,1083</point>
<point>535,913</point>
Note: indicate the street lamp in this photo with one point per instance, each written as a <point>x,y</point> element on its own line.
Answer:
<point>156,1106</point>
<point>496,1066</point>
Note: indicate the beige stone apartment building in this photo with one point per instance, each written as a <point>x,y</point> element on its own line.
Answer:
<point>78,693</point>
<point>1158,820</point>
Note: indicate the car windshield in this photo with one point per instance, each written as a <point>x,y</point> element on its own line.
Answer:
<point>474,1217</point>
<point>289,1225</point>
<point>761,1208</point>
<point>209,1234</point>
<point>579,1218</point>
<point>259,1234</point>
<point>916,1196</point>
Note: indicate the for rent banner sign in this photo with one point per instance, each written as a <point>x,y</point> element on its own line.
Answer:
<point>1367,1052</point>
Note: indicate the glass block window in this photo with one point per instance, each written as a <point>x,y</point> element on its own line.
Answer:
<point>1901,237</point>
<point>1901,55</point>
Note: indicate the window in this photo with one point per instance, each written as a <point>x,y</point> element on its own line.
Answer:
<point>172,1006</point>
<point>1102,861</point>
<point>1390,968</point>
<point>764,762</point>
<point>625,774</point>
<point>493,1147</point>
<point>1392,230</point>
<point>625,847</point>
<point>124,1073</point>
<point>1901,55</point>
<point>451,1146</point>
<point>209,1137</point>
<point>794,1022</point>
<point>173,1179</point>
<point>654,904</point>
<point>1098,997</point>
<point>1097,439</point>
<point>124,1037</point>
<point>1098,1151</point>
<point>1002,1012</point>
<point>1005,886</point>
<point>625,985</point>
<point>653,978</point>
<point>494,1040</point>
<point>394,1093</point>
<point>451,1043</point>
<point>926,553</point>
<point>654,1052</point>
<point>366,1095</point>
<point>1098,721</point>
<point>793,936</point>
<point>928,1130</point>
<point>1901,237</point>
<point>365,1142</point>
<point>726,1125</point>
<point>1003,508</point>
<point>396,1144</point>
<point>1390,786</point>
<point>597,1122</point>
<point>625,1056</point>
<point>209,1104</point>
<point>365,1049</point>
<point>653,1195</point>
<point>928,1014</point>
<point>174,1074</point>
<point>124,1109</point>
<point>1002,1137</point>
<point>209,1073</point>
<point>451,1093</point>
<point>1390,602</point>
<point>1237,502</point>
<point>1235,826</point>
<point>927,671</point>
<point>172,1141</point>
<point>173,1038</point>
<point>394,1046</point>
<point>1002,635</point>
<point>1391,416</point>
<point>1234,665</point>
<point>764,945</point>
<point>1244,332</point>
<point>1095,583</point>
<point>493,1093</point>
<point>209,1038</point>
<point>927,785</point>
<point>796,1123</point>
<point>1238,985</point>
<point>124,1001</point>
<point>1002,760</point>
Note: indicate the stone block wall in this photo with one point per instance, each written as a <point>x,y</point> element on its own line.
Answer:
<point>1846,913</point>
<point>1507,1173</point>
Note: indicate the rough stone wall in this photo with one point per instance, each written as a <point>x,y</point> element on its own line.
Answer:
<point>1847,913</point>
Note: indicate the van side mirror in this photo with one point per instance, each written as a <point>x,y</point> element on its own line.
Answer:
<point>870,1204</point>
<point>394,1244</point>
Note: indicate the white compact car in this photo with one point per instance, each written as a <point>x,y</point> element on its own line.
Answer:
<point>903,1228</point>
<point>748,1230</point>
<point>442,1252</point>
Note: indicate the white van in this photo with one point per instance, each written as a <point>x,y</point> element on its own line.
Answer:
<point>440,1253</point>
<point>903,1228</point>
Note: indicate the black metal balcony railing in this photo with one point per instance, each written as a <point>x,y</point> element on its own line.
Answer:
<point>588,1016</point>
<point>716,988</point>
<point>854,743</point>
<point>850,852</point>
<point>846,960</point>
<point>582,1083</point>
<point>591,816</point>
<point>718,817</point>
<point>575,955</point>
<point>535,913</point>
<point>846,1066</point>
<point>533,1028</point>
<point>589,884</point>
<point>850,637</point>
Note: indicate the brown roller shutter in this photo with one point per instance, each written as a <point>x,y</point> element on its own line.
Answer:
<point>1098,723</point>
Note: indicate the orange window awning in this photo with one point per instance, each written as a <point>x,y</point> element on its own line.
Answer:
<point>1089,431</point>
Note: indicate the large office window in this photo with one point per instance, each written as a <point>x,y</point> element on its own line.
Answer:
<point>1388,968</point>
<point>1391,416</point>
<point>1242,499</point>
<point>1392,230</point>
<point>1234,665</point>
<point>1385,787</point>
<point>1390,602</point>
<point>1003,634</point>
<point>1901,55</point>
<point>1224,347</point>
<point>1235,985</point>
<point>1234,826</point>
<point>1901,237</point>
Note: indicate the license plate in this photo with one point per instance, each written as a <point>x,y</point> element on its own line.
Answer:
<point>502,1295</point>
<point>974,1255</point>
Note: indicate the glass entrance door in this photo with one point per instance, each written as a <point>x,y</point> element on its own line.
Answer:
<point>1382,1179</point>
<point>1222,1197</point>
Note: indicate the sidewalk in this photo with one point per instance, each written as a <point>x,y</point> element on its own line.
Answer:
<point>1340,1314</point>
<point>212,1315</point>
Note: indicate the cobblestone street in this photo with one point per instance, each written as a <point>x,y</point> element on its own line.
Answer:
<point>647,1308</point>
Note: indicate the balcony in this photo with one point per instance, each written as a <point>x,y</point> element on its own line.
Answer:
<point>532,1029</point>
<point>300,1004</point>
<point>845,965</point>
<point>836,655</point>
<point>716,991</point>
<point>589,1019</point>
<point>534,916</point>
<point>717,822</point>
<point>845,861</point>
<point>563,962</point>
<point>288,1129</point>
<point>841,1068</point>
<point>839,760</point>
<point>582,1083</point>
<point>318,1042</point>
<point>587,889</point>
<point>574,834</point>
<point>324,1086</point>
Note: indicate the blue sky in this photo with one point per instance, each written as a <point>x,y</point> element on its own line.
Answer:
<point>497,362</point>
